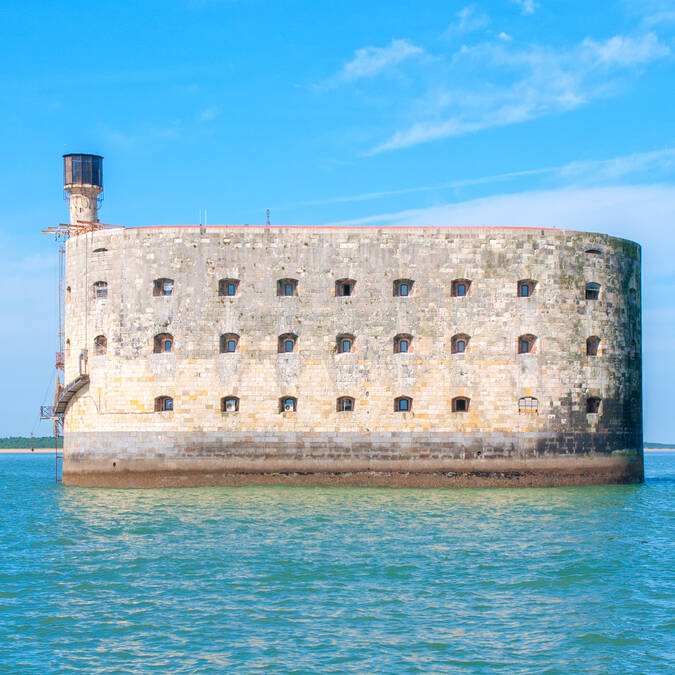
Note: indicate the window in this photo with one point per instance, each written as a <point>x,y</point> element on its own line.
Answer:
<point>229,404</point>
<point>101,289</point>
<point>163,343</point>
<point>528,404</point>
<point>344,343</point>
<point>287,343</point>
<point>344,287</point>
<point>163,404</point>
<point>68,295</point>
<point>228,287</point>
<point>229,342</point>
<point>592,344</point>
<point>593,251</point>
<point>460,288</point>
<point>100,345</point>
<point>403,287</point>
<point>526,288</point>
<point>459,343</point>
<point>287,287</point>
<point>100,250</point>
<point>163,287</point>
<point>403,404</point>
<point>345,404</point>
<point>592,291</point>
<point>288,404</point>
<point>593,404</point>
<point>526,344</point>
<point>402,343</point>
<point>460,404</point>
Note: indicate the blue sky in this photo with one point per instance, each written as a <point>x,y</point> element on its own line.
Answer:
<point>510,112</point>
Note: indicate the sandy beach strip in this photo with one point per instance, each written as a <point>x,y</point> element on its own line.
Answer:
<point>25,451</point>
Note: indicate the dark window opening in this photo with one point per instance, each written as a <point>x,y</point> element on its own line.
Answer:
<point>592,344</point>
<point>593,251</point>
<point>229,342</point>
<point>228,287</point>
<point>526,288</point>
<point>288,404</point>
<point>345,404</point>
<point>403,287</point>
<point>287,343</point>
<point>460,404</point>
<point>287,287</point>
<point>100,345</point>
<point>163,343</point>
<point>403,404</point>
<point>163,287</point>
<point>345,343</point>
<point>459,343</point>
<point>100,250</point>
<point>101,289</point>
<point>460,288</point>
<point>344,287</point>
<point>229,404</point>
<point>163,404</point>
<point>402,343</point>
<point>528,404</point>
<point>592,291</point>
<point>526,344</point>
<point>593,404</point>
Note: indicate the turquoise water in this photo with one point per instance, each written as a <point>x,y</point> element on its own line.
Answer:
<point>332,580</point>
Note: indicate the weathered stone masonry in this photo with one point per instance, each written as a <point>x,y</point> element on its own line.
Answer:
<point>114,436</point>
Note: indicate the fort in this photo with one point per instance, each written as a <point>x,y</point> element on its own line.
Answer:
<point>443,356</point>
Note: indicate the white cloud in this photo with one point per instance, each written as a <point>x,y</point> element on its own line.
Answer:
<point>513,85</point>
<point>505,36</point>
<point>210,113</point>
<point>369,61</point>
<point>469,19</point>
<point>527,6</point>
<point>626,50</point>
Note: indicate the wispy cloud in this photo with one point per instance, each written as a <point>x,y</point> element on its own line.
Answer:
<point>370,61</point>
<point>513,85</point>
<point>468,19</point>
<point>527,6</point>
<point>210,113</point>
<point>587,172</point>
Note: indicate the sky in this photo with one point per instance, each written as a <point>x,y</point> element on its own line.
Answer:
<point>508,112</point>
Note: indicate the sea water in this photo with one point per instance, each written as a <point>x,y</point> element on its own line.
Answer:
<point>336,580</point>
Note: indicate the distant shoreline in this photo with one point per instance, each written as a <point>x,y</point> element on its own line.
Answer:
<point>29,451</point>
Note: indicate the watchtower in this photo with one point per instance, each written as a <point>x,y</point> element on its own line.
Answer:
<point>83,181</point>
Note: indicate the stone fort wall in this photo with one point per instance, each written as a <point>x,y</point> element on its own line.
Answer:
<point>114,435</point>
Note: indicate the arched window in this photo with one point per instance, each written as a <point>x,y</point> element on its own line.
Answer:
<point>163,343</point>
<point>403,404</point>
<point>287,343</point>
<point>592,291</point>
<point>229,342</point>
<point>100,250</point>
<point>67,349</point>
<point>163,404</point>
<point>345,404</point>
<point>228,287</point>
<point>403,287</point>
<point>593,251</point>
<point>287,287</point>
<point>344,343</point>
<point>460,404</point>
<point>593,404</point>
<point>68,295</point>
<point>527,344</point>
<point>101,289</point>
<point>592,345</point>
<point>344,287</point>
<point>288,404</point>
<point>229,404</point>
<point>526,288</point>
<point>100,345</point>
<point>528,404</point>
<point>460,287</point>
<point>162,287</point>
<point>402,343</point>
<point>459,343</point>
